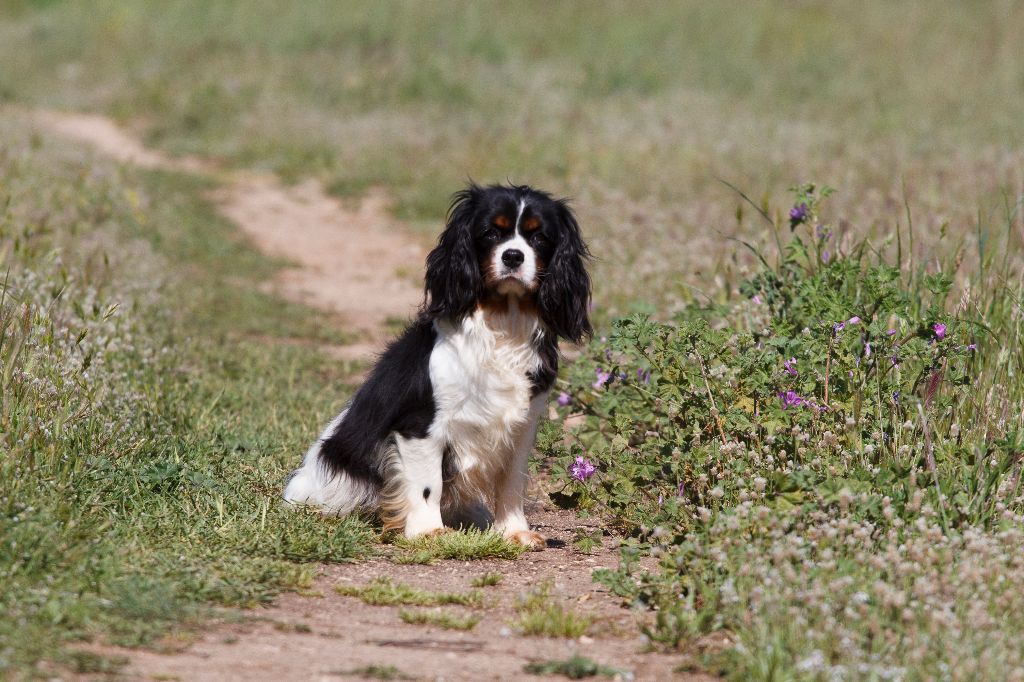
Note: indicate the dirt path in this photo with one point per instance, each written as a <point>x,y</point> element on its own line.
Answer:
<point>355,261</point>
<point>359,263</point>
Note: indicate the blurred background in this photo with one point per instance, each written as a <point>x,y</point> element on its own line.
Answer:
<point>632,109</point>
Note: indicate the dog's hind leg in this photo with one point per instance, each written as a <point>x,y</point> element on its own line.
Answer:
<point>412,496</point>
<point>312,484</point>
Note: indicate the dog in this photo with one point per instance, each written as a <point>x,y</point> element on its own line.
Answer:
<point>442,429</point>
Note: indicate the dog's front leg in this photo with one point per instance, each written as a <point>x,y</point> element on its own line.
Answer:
<point>412,501</point>
<point>510,487</point>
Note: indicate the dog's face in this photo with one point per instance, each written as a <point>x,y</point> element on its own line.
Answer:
<point>515,239</point>
<point>511,241</point>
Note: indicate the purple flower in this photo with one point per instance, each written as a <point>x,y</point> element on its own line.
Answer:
<point>790,367</point>
<point>823,232</point>
<point>603,377</point>
<point>790,399</point>
<point>682,489</point>
<point>825,256</point>
<point>840,326</point>
<point>940,330</point>
<point>798,214</point>
<point>895,361</point>
<point>972,346</point>
<point>643,375</point>
<point>756,299</point>
<point>890,332</point>
<point>867,349</point>
<point>564,399</point>
<point>582,469</point>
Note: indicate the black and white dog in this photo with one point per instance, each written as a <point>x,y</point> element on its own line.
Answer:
<point>444,425</point>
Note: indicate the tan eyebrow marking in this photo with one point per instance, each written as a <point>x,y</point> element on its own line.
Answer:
<point>502,221</point>
<point>531,223</point>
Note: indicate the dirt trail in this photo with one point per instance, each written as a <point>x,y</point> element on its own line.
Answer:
<point>359,263</point>
<point>351,260</point>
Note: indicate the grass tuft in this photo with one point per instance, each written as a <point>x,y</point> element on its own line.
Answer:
<point>375,672</point>
<point>442,619</point>
<point>463,545</point>
<point>384,592</point>
<point>91,663</point>
<point>575,668</point>
<point>540,615</point>
<point>488,579</point>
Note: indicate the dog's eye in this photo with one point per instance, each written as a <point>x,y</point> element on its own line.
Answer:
<point>538,238</point>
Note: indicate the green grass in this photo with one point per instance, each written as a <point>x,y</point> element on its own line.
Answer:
<point>488,579</point>
<point>145,437</point>
<point>141,461</point>
<point>384,592</point>
<point>540,614</point>
<point>632,110</point>
<point>87,662</point>
<point>376,672</point>
<point>441,619</point>
<point>784,456</point>
<point>463,545</point>
<point>575,668</point>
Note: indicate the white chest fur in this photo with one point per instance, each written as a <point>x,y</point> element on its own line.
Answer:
<point>479,374</point>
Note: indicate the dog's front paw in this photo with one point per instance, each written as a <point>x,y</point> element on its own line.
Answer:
<point>526,538</point>
<point>428,533</point>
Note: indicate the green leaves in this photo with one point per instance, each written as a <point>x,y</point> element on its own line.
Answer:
<point>816,379</point>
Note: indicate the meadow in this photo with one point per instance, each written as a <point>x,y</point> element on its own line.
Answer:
<point>807,406</point>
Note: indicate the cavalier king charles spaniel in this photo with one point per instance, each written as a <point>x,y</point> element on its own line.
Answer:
<point>442,429</point>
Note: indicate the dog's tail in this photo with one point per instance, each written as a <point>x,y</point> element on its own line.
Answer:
<point>315,485</point>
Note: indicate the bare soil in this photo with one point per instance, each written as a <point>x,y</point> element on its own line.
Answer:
<point>357,261</point>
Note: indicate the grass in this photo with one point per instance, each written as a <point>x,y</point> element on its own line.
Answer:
<point>784,456</point>
<point>146,431</point>
<point>634,112</point>
<point>586,542</point>
<point>575,668</point>
<point>384,592</point>
<point>464,545</point>
<point>377,672</point>
<point>88,662</point>
<point>539,614</point>
<point>441,619</point>
<point>488,579</point>
<point>145,438</point>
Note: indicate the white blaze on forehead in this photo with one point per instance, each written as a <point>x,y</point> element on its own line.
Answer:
<point>527,272</point>
<point>519,216</point>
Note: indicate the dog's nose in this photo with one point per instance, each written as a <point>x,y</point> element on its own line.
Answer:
<point>513,258</point>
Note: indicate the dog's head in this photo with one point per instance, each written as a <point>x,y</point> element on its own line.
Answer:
<point>503,241</point>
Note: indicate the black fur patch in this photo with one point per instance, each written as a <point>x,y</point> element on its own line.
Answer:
<point>396,398</point>
<point>542,380</point>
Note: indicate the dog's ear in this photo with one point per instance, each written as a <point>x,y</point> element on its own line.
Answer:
<point>564,296</point>
<point>453,282</point>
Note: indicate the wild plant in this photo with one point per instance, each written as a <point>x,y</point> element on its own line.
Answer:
<point>770,450</point>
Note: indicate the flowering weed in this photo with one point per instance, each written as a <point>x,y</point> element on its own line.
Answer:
<point>823,474</point>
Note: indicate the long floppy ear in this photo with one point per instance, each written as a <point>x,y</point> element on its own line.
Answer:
<point>453,282</point>
<point>564,296</point>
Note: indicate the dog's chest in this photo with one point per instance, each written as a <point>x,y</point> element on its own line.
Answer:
<point>480,375</point>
